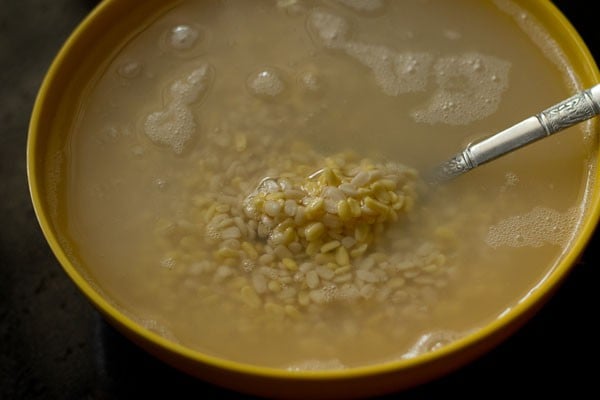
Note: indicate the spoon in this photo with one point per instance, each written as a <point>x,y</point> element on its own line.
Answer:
<point>578,108</point>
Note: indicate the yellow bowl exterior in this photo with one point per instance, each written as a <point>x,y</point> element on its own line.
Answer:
<point>89,48</point>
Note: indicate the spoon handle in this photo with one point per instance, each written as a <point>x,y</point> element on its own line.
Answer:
<point>578,108</point>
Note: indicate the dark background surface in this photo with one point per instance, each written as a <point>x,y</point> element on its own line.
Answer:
<point>54,345</point>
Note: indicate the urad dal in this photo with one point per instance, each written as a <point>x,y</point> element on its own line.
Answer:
<point>243,176</point>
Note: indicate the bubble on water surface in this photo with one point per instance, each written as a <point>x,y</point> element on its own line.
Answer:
<point>213,232</point>
<point>469,87</point>
<point>539,227</point>
<point>187,90</point>
<point>156,327</point>
<point>137,151</point>
<point>510,180</point>
<point>248,265</point>
<point>363,5</point>
<point>161,184</point>
<point>310,81</point>
<point>452,34</point>
<point>395,72</point>
<point>316,365</point>
<point>266,82</point>
<point>182,37</point>
<point>329,29</point>
<point>129,70</point>
<point>174,125</point>
<point>168,262</point>
<point>291,7</point>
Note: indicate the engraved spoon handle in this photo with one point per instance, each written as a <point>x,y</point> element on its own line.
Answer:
<point>578,108</point>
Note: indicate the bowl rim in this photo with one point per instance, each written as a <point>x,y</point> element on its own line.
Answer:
<point>515,316</point>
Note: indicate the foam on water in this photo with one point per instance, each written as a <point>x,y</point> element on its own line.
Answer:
<point>363,5</point>
<point>138,151</point>
<point>266,82</point>
<point>510,180</point>
<point>248,265</point>
<point>168,262</point>
<point>451,34</point>
<point>161,184</point>
<point>292,7</point>
<point>130,69</point>
<point>329,29</point>
<point>157,327</point>
<point>174,125</point>
<point>316,365</point>
<point>469,87</point>
<point>395,73</point>
<point>182,37</point>
<point>187,90</point>
<point>536,228</point>
<point>310,81</point>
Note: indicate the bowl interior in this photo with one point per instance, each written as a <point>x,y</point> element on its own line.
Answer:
<point>57,107</point>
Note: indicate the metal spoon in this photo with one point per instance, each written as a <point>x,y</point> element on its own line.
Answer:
<point>578,108</point>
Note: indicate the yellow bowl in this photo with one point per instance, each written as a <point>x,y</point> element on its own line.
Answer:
<point>89,47</point>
